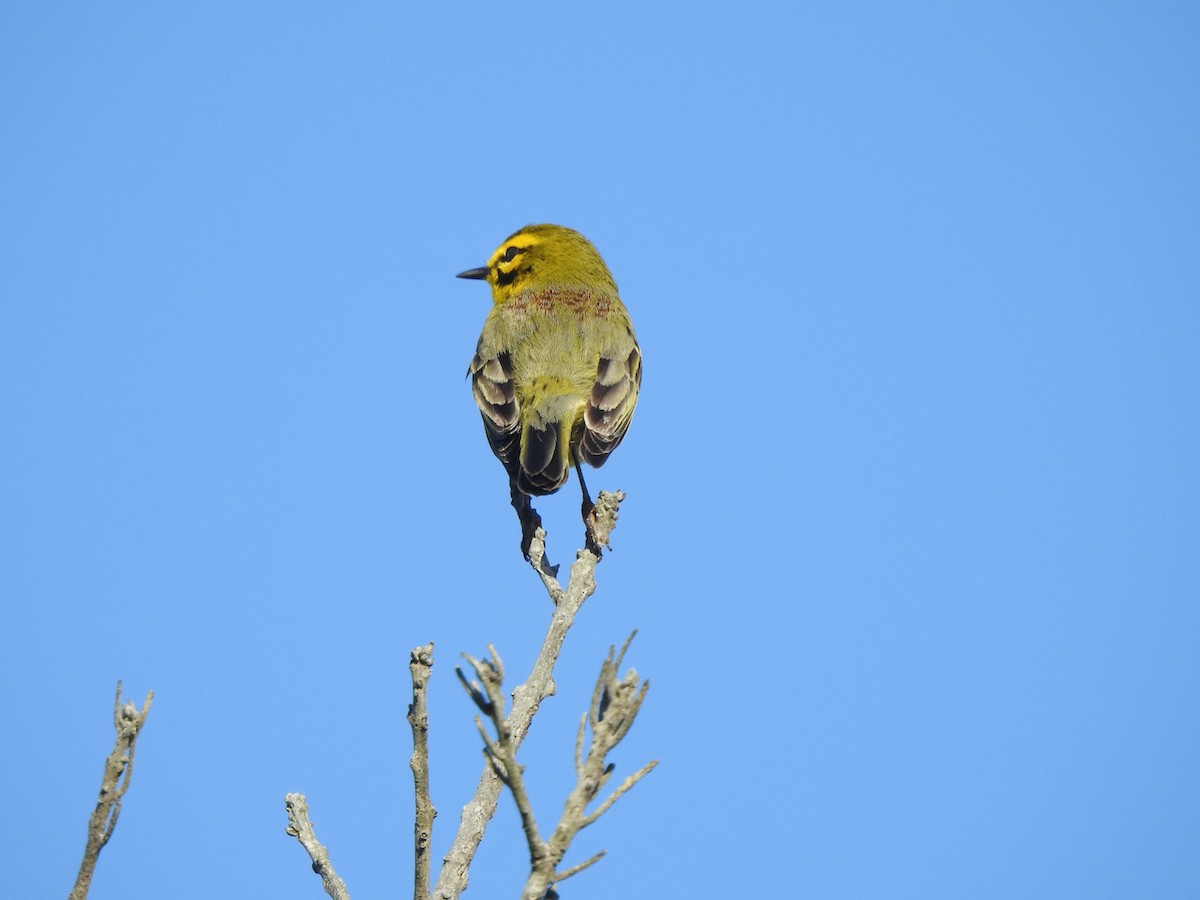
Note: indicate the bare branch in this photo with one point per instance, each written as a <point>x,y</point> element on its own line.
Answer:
<point>301,828</point>
<point>452,880</point>
<point>575,870</point>
<point>545,571</point>
<point>616,795</point>
<point>614,706</point>
<point>501,752</point>
<point>579,744</point>
<point>420,664</point>
<point>475,692</point>
<point>118,771</point>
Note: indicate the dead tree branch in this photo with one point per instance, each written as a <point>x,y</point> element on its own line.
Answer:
<point>301,828</point>
<point>615,705</point>
<point>118,770</point>
<point>452,880</point>
<point>501,753</point>
<point>612,703</point>
<point>421,666</point>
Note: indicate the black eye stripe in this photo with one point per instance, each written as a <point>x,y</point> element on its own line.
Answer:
<point>511,253</point>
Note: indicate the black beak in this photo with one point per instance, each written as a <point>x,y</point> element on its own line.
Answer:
<point>479,274</point>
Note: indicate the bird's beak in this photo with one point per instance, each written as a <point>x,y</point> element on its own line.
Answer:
<point>479,274</point>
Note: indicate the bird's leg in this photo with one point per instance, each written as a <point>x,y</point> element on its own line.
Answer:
<point>587,508</point>
<point>530,520</point>
<point>530,523</point>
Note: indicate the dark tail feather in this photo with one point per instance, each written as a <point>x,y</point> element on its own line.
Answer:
<point>545,460</point>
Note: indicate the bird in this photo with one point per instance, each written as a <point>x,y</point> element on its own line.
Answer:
<point>557,369</point>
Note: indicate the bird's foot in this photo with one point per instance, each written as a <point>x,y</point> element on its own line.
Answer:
<point>591,539</point>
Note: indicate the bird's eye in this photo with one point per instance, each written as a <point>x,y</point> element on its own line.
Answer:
<point>511,253</point>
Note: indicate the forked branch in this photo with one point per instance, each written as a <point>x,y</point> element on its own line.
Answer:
<point>452,880</point>
<point>615,704</point>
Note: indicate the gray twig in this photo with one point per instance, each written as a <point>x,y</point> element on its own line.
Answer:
<point>421,666</point>
<point>452,880</point>
<point>615,704</point>
<point>301,828</point>
<point>118,770</point>
<point>501,752</point>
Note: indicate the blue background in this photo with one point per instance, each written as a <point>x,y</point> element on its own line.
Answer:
<point>911,538</point>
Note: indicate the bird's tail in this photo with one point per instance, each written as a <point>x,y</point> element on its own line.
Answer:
<point>545,457</point>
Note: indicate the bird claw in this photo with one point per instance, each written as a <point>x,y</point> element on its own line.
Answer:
<point>533,548</point>
<point>588,510</point>
<point>589,535</point>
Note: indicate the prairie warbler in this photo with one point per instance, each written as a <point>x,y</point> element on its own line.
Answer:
<point>557,369</point>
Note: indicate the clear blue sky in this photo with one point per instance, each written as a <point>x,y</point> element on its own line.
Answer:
<point>911,535</point>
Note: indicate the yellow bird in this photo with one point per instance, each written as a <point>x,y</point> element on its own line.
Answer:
<point>557,369</point>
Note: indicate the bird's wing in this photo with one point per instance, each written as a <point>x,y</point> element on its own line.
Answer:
<point>610,406</point>
<point>491,382</point>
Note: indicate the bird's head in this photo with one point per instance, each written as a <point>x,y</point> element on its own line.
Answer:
<point>542,256</point>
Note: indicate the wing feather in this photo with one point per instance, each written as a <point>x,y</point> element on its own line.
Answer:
<point>496,397</point>
<point>610,405</point>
